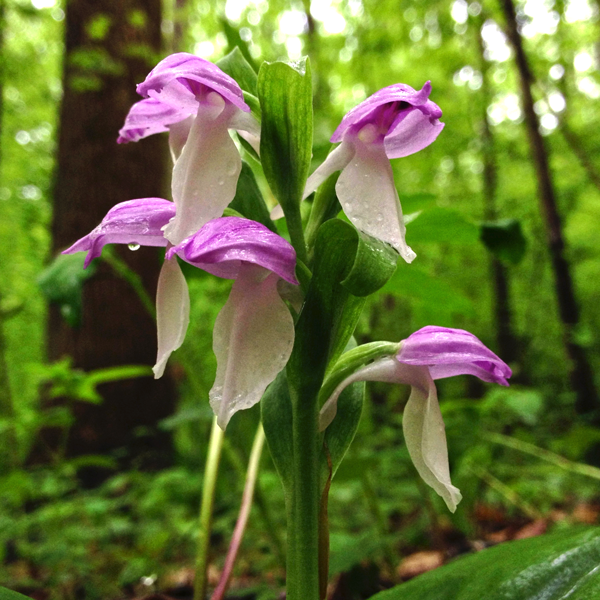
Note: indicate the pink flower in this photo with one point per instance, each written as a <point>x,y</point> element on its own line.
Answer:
<point>254,332</point>
<point>428,354</point>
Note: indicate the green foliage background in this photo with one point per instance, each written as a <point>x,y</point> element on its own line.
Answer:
<point>355,48</point>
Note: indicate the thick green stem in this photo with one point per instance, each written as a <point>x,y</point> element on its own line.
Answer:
<point>303,502</point>
<point>211,470</point>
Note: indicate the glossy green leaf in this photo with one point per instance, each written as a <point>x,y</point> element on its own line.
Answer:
<point>550,567</point>
<point>439,224</point>
<point>236,66</point>
<point>62,283</point>
<point>348,267</point>
<point>505,240</point>
<point>285,94</point>
<point>6,594</point>
<point>248,200</point>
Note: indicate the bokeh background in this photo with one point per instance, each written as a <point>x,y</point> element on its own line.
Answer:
<point>101,467</point>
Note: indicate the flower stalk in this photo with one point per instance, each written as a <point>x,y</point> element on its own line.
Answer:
<point>211,469</point>
<point>242,521</point>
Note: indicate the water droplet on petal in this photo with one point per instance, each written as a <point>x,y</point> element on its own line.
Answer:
<point>133,247</point>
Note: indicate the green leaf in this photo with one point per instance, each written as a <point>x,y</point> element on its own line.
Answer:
<point>348,266</point>
<point>285,94</point>
<point>6,594</point>
<point>276,416</point>
<point>62,283</point>
<point>505,240</point>
<point>236,66</point>
<point>431,292</point>
<point>341,432</point>
<point>234,40</point>
<point>439,224</point>
<point>249,201</point>
<point>552,567</point>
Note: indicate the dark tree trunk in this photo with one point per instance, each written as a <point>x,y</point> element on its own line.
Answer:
<point>582,378</point>
<point>507,342</point>
<point>110,46</point>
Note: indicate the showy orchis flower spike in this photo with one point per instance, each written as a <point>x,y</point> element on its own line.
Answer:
<point>394,122</point>
<point>428,354</point>
<point>197,103</point>
<point>254,332</point>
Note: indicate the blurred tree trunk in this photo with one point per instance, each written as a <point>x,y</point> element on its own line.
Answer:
<point>508,346</point>
<point>581,375</point>
<point>110,46</point>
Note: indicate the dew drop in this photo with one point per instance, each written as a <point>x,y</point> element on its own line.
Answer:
<point>133,247</point>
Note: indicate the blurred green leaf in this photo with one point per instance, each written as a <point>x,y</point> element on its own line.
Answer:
<point>552,567</point>
<point>439,224</point>
<point>6,594</point>
<point>61,283</point>
<point>410,281</point>
<point>505,240</point>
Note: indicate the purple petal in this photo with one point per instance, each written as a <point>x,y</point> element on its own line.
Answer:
<point>147,117</point>
<point>448,352</point>
<point>190,71</point>
<point>133,222</point>
<point>223,244</point>
<point>411,131</point>
<point>373,109</point>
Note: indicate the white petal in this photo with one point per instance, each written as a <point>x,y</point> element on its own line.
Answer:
<point>335,161</point>
<point>205,175</point>
<point>248,127</point>
<point>425,436</point>
<point>387,370</point>
<point>172,312</point>
<point>178,135</point>
<point>276,212</point>
<point>252,340</point>
<point>369,198</point>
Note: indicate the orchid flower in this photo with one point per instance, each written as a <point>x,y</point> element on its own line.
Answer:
<point>394,122</point>
<point>428,354</point>
<point>197,103</point>
<point>254,332</point>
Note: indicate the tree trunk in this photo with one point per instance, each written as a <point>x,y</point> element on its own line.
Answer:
<point>110,46</point>
<point>582,379</point>
<point>508,345</point>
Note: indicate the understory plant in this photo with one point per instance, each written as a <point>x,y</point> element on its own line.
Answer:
<point>285,335</point>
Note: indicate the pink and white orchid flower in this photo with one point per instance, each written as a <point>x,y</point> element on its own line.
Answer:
<point>254,332</point>
<point>428,354</point>
<point>197,103</point>
<point>394,122</point>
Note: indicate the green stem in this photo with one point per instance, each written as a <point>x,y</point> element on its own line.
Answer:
<point>211,470</point>
<point>324,207</point>
<point>294,223</point>
<point>121,268</point>
<point>260,500</point>
<point>304,500</point>
<point>240,526</point>
<point>543,454</point>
